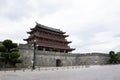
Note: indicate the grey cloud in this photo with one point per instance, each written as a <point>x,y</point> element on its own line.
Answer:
<point>18,9</point>
<point>15,10</point>
<point>117,48</point>
<point>117,35</point>
<point>90,30</point>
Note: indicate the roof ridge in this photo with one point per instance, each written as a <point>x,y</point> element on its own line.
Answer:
<point>49,28</point>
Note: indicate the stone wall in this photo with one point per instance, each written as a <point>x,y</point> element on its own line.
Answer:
<point>47,59</point>
<point>92,59</point>
<point>44,58</point>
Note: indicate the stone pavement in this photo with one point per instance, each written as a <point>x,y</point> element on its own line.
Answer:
<point>108,72</point>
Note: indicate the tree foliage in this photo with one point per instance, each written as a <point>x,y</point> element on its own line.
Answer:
<point>114,58</point>
<point>10,53</point>
<point>2,49</point>
<point>9,45</point>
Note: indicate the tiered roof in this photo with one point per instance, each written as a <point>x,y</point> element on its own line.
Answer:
<point>51,31</point>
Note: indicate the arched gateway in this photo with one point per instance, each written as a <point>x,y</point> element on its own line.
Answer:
<point>58,63</point>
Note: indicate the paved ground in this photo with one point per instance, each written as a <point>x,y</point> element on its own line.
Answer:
<point>111,72</point>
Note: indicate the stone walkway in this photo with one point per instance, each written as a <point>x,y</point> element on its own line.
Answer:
<point>111,72</point>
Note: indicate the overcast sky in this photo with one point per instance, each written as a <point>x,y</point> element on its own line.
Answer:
<point>92,25</point>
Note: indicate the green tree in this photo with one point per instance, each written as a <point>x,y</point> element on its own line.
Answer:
<point>10,53</point>
<point>2,49</point>
<point>9,45</point>
<point>113,57</point>
<point>14,58</point>
<point>5,57</point>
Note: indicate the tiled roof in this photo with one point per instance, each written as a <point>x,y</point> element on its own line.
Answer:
<point>49,28</point>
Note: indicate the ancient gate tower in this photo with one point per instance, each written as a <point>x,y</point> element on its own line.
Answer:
<point>49,39</point>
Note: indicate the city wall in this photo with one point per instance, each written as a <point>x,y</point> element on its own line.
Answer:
<point>52,59</point>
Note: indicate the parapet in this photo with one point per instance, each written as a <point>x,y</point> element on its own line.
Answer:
<point>24,46</point>
<point>92,54</point>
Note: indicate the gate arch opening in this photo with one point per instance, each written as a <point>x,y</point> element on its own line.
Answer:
<point>58,63</point>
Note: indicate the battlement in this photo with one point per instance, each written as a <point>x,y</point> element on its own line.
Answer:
<point>26,46</point>
<point>92,54</point>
